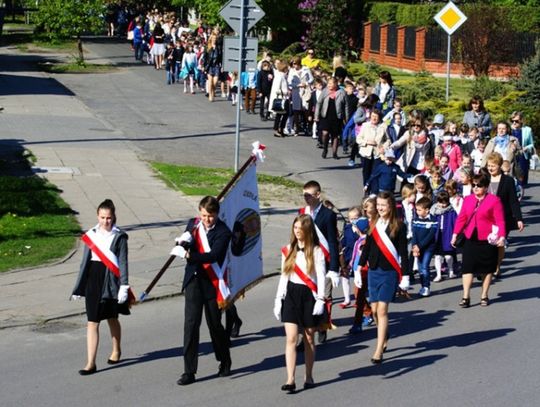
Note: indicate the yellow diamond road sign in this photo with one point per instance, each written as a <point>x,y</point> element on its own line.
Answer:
<point>450,18</point>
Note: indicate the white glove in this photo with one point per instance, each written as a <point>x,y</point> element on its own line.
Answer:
<point>185,237</point>
<point>493,236</point>
<point>332,275</point>
<point>405,284</point>
<point>75,297</point>
<point>178,251</point>
<point>277,308</point>
<point>358,278</point>
<point>123,294</point>
<point>318,308</point>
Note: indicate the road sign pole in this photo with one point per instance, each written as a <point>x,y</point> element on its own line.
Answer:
<point>242,42</point>
<point>448,69</point>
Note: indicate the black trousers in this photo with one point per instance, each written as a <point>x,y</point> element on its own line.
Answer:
<point>199,295</point>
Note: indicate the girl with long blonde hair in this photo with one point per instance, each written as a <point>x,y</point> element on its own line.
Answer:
<point>299,300</point>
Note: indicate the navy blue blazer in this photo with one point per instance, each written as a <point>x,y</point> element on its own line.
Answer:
<point>219,238</point>
<point>326,221</point>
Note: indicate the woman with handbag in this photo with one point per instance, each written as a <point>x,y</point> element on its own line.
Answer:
<point>279,98</point>
<point>299,299</point>
<point>481,221</point>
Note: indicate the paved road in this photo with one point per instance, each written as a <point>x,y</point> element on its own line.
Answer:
<point>439,353</point>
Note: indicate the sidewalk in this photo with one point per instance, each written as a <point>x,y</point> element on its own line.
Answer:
<point>87,173</point>
<point>89,161</point>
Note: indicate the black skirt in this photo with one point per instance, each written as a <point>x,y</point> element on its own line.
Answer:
<point>98,309</point>
<point>479,257</point>
<point>298,306</point>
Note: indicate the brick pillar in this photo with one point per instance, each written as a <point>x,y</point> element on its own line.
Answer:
<point>420,57</point>
<point>400,45</point>
<point>384,41</point>
<point>367,42</point>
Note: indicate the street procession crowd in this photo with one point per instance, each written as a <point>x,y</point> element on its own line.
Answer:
<point>437,193</point>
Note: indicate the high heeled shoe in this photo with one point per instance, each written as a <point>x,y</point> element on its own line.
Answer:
<point>114,362</point>
<point>84,372</point>
<point>376,361</point>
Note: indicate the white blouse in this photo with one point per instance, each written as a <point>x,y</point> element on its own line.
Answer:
<point>317,278</point>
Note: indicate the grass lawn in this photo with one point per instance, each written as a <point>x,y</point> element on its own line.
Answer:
<point>201,181</point>
<point>73,67</point>
<point>36,225</point>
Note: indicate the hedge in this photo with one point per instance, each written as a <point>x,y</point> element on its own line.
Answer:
<point>520,18</point>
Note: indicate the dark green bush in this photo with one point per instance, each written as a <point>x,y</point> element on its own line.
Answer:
<point>420,89</point>
<point>486,88</point>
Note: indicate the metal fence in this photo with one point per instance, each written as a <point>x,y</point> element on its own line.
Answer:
<point>391,40</point>
<point>375,37</point>
<point>521,44</point>
<point>410,42</point>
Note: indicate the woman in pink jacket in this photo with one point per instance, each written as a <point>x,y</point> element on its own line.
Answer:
<point>452,150</point>
<point>481,219</point>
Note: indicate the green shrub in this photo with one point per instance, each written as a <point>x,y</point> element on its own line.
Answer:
<point>420,89</point>
<point>366,71</point>
<point>486,88</point>
<point>519,18</point>
<point>529,80</point>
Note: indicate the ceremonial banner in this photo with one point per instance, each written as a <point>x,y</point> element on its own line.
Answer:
<point>240,211</point>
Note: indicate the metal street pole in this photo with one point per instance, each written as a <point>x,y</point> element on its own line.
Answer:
<point>448,69</point>
<point>242,43</point>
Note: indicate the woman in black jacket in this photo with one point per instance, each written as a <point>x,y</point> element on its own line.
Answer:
<point>504,187</point>
<point>386,253</point>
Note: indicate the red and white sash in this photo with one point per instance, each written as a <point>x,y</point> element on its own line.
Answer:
<point>215,273</point>
<point>301,273</point>
<point>387,248</point>
<point>107,257</point>
<point>323,243</point>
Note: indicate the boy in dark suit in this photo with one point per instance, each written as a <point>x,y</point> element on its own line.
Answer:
<point>199,290</point>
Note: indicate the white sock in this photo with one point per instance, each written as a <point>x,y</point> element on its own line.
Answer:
<point>438,264</point>
<point>346,289</point>
<point>450,261</point>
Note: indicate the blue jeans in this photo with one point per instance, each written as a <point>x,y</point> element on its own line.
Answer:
<point>423,265</point>
<point>139,50</point>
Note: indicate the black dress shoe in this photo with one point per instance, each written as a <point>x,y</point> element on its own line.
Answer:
<point>114,362</point>
<point>185,379</point>
<point>289,387</point>
<point>224,369</point>
<point>377,361</point>
<point>84,372</point>
<point>235,331</point>
<point>321,336</point>
<point>324,153</point>
<point>308,385</point>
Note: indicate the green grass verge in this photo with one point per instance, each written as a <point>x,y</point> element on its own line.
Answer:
<point>36,225</point>
<point>74,67</point>
<point>202,181</point>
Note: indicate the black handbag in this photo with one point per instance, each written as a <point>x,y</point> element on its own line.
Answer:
<point>279,105</point>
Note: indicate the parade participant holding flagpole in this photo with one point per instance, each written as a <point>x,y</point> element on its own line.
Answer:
<point>300,296</point>
<point>204,245</point>
<point>385,252</point>
<point>103,281</point>
<point>325,221</point>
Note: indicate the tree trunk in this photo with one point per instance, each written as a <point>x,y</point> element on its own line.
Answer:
<point>80,48</point>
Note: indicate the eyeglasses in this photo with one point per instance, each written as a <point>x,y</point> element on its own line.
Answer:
<point>417,125</point>
<point>477,185</point>
<point>516,121</point>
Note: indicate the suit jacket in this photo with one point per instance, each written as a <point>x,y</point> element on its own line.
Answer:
<point>111,284</point>
<point>218,240</point>
<point>326,221</point>
<point>372,255</point>
<point>506,191</point>
<point>490,212</point>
